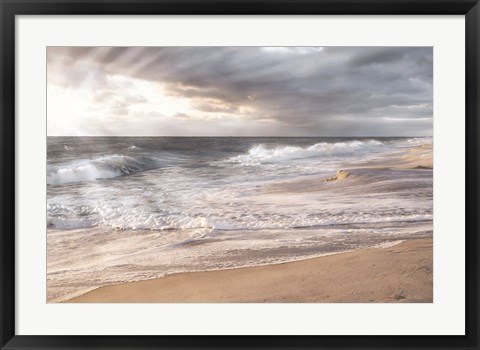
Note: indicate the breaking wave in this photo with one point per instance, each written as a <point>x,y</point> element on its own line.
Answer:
<point>105,167</point>
<point>264,154</point>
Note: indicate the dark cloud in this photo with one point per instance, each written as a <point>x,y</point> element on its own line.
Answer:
<point>310,91</point>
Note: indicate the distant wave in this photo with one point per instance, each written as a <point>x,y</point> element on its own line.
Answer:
<point>105,167</point>
<point>262,153</point>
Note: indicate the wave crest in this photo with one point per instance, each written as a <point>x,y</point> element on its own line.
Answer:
<point>105,167</point>
<point>264,154</point>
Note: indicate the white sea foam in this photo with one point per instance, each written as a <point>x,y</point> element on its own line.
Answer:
<point>105,167</point>
<point>135,218</point>
<point>264,154</point>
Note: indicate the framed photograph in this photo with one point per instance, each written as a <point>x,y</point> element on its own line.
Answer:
<point>239,175</point>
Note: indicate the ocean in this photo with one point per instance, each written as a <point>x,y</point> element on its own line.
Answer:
<point>133,208</point>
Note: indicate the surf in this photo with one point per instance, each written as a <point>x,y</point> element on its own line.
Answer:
<point>262,153</point>
<point>104,167</point>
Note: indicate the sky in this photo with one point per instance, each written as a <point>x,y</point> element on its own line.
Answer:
<point>239,91</point>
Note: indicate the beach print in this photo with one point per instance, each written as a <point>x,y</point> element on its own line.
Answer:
<point>239,174</point>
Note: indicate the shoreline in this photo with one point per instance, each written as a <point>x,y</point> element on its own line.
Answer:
<point>394,274</point>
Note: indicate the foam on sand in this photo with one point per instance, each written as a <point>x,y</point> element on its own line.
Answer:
<point>390,274</point>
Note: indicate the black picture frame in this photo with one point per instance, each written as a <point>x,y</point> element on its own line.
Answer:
<point>10,8</point>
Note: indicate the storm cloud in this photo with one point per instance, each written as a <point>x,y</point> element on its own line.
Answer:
<point>240,91</point>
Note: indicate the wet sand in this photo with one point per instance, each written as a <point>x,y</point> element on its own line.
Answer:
<point>398,274</point>
<point>419,157</point>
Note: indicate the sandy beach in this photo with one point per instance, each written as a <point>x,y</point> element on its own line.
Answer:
<point>398,274</point>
